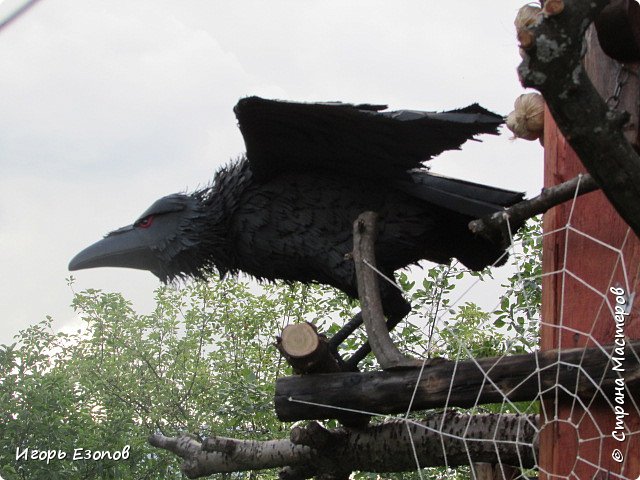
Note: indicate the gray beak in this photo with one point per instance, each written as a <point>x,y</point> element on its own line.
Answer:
<point>127,247</point>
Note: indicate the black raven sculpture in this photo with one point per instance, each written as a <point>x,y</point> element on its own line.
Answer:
<point>286,209</point>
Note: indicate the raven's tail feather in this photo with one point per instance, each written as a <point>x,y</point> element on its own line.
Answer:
<point>464,201</point>
<point>460,196</point>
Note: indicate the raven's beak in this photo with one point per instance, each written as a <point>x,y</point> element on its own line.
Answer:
<point>126,247</point>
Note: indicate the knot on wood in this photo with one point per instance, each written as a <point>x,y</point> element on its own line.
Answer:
<point>318,437</point>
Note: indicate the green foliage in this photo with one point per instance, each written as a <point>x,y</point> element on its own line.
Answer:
<point>519,310</point>
<point>447,329</point>
<point>203,362</point>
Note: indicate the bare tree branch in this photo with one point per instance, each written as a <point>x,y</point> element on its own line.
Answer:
<point>494,226</point>
<point>387,354</point>
<point>447,438</point>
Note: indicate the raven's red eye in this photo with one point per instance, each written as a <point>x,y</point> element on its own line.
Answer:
<point>145,222</point>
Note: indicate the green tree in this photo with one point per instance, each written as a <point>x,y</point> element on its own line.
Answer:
<point>202,361</point>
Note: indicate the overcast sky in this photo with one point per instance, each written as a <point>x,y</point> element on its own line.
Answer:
<point>108,105</point>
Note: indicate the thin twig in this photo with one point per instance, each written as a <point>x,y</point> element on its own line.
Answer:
<point>494,226</point>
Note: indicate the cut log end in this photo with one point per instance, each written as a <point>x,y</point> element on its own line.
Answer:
<point>299,340</point>
<point>306,350</point>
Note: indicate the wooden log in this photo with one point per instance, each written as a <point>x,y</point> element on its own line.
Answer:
<point>441,438</point>
<point>618,28</point>
<point>465,384</point>
<point>306,350</point>
<point>300,340</point>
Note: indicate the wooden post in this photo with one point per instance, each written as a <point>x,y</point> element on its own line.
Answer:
<point>577,440</point>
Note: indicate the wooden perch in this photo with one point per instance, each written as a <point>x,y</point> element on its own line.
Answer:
<point>553,65</point>
<point>306,350</point>
<point>494,226</point>
<point>448,438</point>
<point>364,236</point>
<point>463,384</point>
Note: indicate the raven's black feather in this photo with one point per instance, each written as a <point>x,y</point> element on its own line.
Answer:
<point>285,211</point>
<point>287,136</point>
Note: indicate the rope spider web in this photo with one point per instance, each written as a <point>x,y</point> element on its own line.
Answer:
<point>596,434</point>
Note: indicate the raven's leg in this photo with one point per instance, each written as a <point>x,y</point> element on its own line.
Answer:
<point>395,309</point>
<point>345,331</point>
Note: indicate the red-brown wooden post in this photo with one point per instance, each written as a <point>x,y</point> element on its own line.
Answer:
<point>576,441</point>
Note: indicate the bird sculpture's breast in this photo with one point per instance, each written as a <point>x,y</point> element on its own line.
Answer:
<point>299,227</point>
<point>292,223</point>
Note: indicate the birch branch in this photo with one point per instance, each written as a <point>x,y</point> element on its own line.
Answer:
<point>448,438</point>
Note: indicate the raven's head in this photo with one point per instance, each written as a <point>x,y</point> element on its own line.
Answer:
<point>164,240</point>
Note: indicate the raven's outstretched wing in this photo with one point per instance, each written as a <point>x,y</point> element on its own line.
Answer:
<point>360,139</point>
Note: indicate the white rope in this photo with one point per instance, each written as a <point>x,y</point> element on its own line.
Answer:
<point>372,267</point>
